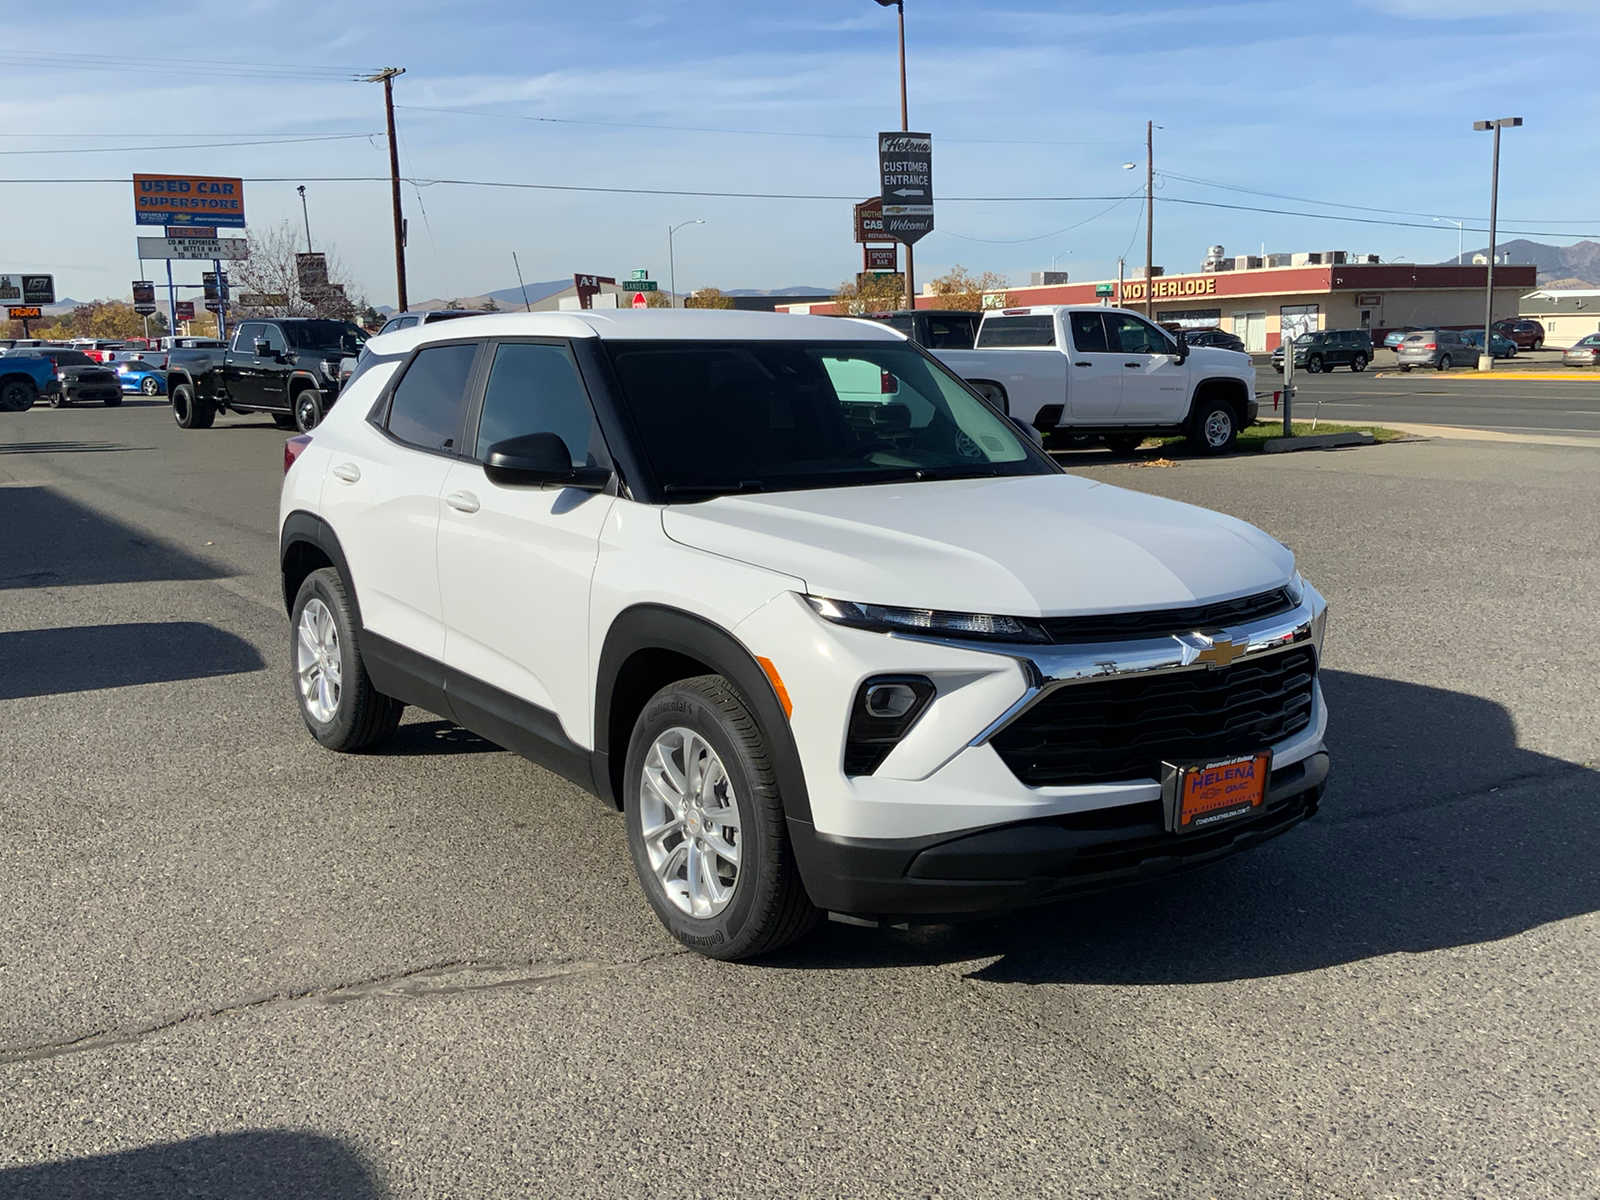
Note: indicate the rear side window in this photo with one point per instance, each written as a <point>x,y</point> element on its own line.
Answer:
<point>1024,332</point>
<point>425,411</point>
<point>535,388</point>
<point>1089,333</point>
<point>950,333</point>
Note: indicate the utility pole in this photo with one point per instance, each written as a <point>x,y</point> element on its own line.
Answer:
<point>905,126</point>
<point>1149,218</point>
<point>306,213</point>
<point>387,77</point>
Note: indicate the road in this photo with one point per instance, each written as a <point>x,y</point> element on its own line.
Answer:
<point>1456,397</point>
<point>237,965</point>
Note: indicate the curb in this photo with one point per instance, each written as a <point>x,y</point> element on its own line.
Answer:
<point>1317,441</point>
<point>1468,434</point>
<point>1573,376</point>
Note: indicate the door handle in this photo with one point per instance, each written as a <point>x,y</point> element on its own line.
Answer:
<point>348,472</point>
<point>462,502</point>
<point>1084,363</point>
<point>1134,365</point>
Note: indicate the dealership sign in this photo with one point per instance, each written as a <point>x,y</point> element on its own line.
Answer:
<point>184,310</point>
<point>905,178</point>
<point>144,296</point>
<point>27,289</point>
<point>193,248</point>
<point>188,200</point>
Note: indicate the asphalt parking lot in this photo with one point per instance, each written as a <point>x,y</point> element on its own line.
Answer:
<point>236,965</point>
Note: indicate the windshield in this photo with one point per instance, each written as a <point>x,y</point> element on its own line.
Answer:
<point>69,358</point>
<point>320,335</point>
<point>719,417</point>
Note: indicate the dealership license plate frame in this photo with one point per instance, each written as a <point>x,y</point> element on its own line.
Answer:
<point>1206,805</point>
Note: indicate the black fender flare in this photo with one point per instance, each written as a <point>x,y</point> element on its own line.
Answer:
<point>659,627</point>
<point>302,527</point>
<point>1243,394</point>
<point>295,385</point>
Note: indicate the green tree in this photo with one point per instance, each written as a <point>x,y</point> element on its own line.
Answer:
<point>959,288</point>
<point>708,298</point>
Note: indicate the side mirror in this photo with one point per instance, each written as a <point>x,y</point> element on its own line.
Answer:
<point>1029,430</point>
<point>1182,356</point>
<point>540,460</point>
<point>262,348</point>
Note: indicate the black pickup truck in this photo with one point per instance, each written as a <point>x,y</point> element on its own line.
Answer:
<point>287,366</point>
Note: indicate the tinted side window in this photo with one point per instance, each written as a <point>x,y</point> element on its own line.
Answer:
<point>426,409</point>
<point>949,333</point>
<point>245,340</point>
<point>1129,335</point>
<point>273,336</point>
<point>1089,333</point>
<point>536,389</point>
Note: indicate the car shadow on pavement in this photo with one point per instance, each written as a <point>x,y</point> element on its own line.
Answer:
<point>47,540</point>
<point>259,1164</point>
<point>85,658</point>
<point>60,447</point>
<point>428,739</point>
<point>1437,830</point>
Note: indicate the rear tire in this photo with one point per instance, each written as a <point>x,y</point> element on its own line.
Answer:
<point>192,411</point>
<point>1444,362</point>
<point>113,401</point>
<point>307,410</point>
<point>723,909</point>
<point>58,399</point>
<point>1214,428</point>
<point>1358,363</point>
<point>337,701</point>
<point>1538,343</point>
<point>18,395</point>
<point>1405,368</point>
<point>1124,443</point>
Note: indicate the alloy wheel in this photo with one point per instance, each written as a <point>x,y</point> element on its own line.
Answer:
<point>317,661</point>
<point>689,816</point>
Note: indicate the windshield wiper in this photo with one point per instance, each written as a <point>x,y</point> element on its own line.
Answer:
<point>714,489</point>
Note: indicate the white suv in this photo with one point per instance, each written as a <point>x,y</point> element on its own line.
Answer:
<point>828,648</point>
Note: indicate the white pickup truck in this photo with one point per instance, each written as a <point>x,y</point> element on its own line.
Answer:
<point>1090,370</point>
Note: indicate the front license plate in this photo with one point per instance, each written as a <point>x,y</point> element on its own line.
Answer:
<point>1203,795</point>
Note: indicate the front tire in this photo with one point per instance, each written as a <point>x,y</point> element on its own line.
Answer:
<point>706,826</point>
<point>1314,364</point>
<point>58,399</point>
<point>307,410</point>
<point>192,411</point>
<point>1214,428</point>
<point>1124,443</point>
<point>113,401</point>
<point>337,701</point>
<point>150,386</point>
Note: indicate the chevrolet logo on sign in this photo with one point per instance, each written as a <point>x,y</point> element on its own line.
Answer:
<point>1219,651</point>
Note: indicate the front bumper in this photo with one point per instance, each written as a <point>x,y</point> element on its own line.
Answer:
<point>1033,862</point>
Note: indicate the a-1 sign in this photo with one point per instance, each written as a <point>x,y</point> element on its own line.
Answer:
<point>905,176</point>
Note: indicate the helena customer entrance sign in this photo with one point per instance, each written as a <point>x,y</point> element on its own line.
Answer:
<point>905,176</point>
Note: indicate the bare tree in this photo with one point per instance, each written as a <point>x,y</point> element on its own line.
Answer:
<point>871,293</point>
<point>959,288</point>
<point>272,270</point>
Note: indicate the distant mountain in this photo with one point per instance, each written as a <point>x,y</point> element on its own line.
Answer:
<point>1577,265</point>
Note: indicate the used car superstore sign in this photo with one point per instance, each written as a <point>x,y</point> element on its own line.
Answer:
<point>184,199</point>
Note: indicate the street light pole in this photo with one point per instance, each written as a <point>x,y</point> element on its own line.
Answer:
<point>305,212</point>
<point>905,125</point>
<point>1486,359</point>
<point>1149,218</point>
<point>1460,227</point>
<point>672,264</point>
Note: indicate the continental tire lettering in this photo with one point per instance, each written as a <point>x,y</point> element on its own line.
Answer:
<point>695,939</point>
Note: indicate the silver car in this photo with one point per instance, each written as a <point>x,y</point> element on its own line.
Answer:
<point>1584,353</point>
<point>1439,348</point>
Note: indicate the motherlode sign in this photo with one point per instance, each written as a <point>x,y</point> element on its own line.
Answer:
<point>905,176</point>
<point>188,200</point>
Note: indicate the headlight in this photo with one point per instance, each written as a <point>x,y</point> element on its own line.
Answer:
<point>883,619</point>
<point>330,369</point>
<point>1297,588</point>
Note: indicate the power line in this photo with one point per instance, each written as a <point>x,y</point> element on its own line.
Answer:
<point>1054,232</point>
<point>328,137</point>
<point>850,137</point>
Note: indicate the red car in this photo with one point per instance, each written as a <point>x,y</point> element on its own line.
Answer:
<point>1528,335</point>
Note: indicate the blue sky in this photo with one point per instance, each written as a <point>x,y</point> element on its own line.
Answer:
<point>1365,103</point>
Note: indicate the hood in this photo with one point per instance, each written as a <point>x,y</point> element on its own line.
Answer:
<point>85,370</point>
<point>1042,545</point>
<point>1217,358</point>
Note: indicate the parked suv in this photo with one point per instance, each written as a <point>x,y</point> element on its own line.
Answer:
<point>819,663</point>
<point>1440,348</point>
<point>1527,334</point>
<point>935,328</point>
<point>1325,349</point>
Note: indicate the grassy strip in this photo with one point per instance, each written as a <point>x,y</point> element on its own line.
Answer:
<point>1251,440</point>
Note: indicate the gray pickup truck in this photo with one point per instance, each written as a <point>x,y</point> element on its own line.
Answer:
<point>285,366</point>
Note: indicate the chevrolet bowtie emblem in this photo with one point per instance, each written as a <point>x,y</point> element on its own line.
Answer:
<point>1220,652</point>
